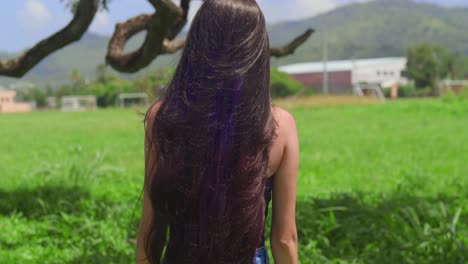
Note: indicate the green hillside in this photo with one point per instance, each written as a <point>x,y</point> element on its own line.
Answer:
<point>374,29</point>
<point>83,56</point>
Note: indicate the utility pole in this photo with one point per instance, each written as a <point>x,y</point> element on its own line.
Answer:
<point>436,61</point>
<point>325,60</point>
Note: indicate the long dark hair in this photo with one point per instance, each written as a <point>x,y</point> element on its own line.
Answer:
<point>211,138</point>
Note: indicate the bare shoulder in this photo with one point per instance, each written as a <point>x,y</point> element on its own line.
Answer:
<point>286,122</point>
<point>151,113</point>
<point>153,110</point>
<point>150,118</point>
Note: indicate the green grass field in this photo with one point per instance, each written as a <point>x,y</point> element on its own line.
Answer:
<point>381,183</point>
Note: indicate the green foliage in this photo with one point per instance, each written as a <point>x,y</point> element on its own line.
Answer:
<point>282,85</point>
<point>154,82</point>
<point>406,90</point>
<point>464,94</point>
<point>452,98</point>
<point>409,90</point>
<point>107,93</point>
<point>428,63</point>
<point>377,184</point>
<point>373,29</point>
<point>107,85</point>
<point>396,228</point>
<point>462,66</point>
<point>102,75</point>
<point>36,94</point>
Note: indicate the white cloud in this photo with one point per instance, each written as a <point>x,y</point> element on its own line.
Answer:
<point>295,9</point>
<point>278,10</point>
<point>281,10</point>
<point>33,16</point>
<point>101,23</point>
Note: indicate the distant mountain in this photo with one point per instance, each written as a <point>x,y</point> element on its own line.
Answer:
<point>83,56</point>
<point>374,29</point>
<point>377,29</point>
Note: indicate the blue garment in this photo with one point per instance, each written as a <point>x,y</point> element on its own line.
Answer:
<point>261,256</point>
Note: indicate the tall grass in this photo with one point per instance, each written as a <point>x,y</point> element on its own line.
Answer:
<point>380,183</point>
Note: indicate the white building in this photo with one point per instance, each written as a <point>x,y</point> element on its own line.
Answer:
<point>78,103</point>
<point>344,74</point>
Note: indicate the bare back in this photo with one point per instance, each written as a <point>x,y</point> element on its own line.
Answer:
<point>276,151</point>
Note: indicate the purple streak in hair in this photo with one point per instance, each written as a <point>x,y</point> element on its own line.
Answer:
<point>211,133</point>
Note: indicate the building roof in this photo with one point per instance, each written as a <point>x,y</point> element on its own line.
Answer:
<point>335,66</point>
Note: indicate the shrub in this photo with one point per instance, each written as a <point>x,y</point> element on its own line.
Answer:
<point>33,94</point>
<point>423,92</point>
<point>155,81</point>
<point>464,94</point>
<point>406,90</point>
<point>282,85</point>
<point>449,97</point>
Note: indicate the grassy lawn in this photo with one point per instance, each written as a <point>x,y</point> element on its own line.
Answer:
<point>378,183</point>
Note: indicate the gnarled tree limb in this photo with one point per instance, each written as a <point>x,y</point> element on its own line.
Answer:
<point>159,37</point>
<point>181,20</point>
<point>291,47</point>
<point>175,45</point>
<point>162,27</point>
<point>19,66</point>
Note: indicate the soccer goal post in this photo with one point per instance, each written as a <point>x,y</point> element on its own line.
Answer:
<point>132,99</point>
<point>453,86</point>
<point>78,103</point>
<point>375,90</point>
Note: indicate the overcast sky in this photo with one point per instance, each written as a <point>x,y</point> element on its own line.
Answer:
<point>24,22</point>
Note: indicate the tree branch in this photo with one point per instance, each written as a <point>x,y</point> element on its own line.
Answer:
<point>139,59</point>
<point>167,5</point>
<point>19,66</point>
<point>123,32</point>
<point>291,47</point>
<point>181,20</point>
<point>161,27</point>
<point>175,45</point>
<point>167,22</point>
